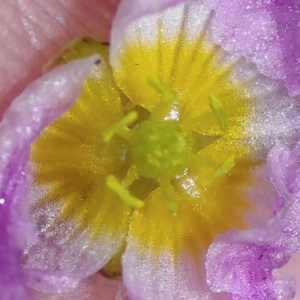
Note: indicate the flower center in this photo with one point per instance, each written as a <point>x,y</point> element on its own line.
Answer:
<point>159,148</point>
<point>160,145</point>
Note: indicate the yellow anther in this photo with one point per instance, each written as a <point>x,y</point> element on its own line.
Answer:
<point>114,184</point>
<point>226,166</point>
<point>219,110</point>
<point>119,126</point>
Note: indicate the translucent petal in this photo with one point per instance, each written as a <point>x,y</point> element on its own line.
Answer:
<point>265,32</point>
<point>80,221</point>
<point>32,31</point>
<point>128,11</point>
<point>38,105</point>
<point>150,276</point>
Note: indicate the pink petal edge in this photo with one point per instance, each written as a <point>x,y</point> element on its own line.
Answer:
<point>39,104</point>
<point>127,12</point>
<point>33,31</point>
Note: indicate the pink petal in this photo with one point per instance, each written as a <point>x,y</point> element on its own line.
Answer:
<point>149,275</point>
<point>68,252</point>
<point>96,287</point>
<point>128,11</point>
<point>275,115</point>
<point>291,270</point>
<point>244,263</point>
<point>265,32</point>
<point>34,30</point>
<point>41,103</point>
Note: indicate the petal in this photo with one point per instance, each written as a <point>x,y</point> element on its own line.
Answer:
<point>71,162</point>
<point>94,288</point>
<point>264,249</point>
<point>265,32</point>
<point>15,231</point>
<point>150,276</point>
<point>38,105</point>
<point>291,270</point>
<point>244,271</point>
<point>174,47</point>
<point>32,31</point>
<point>128,11</point>
<point>165,253</point>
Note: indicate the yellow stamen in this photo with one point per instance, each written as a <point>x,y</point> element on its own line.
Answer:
<point>131,176</point>
<point>166,93</point>
<point>114,184</point>
<point>226,166</point>
<point>218,109</point>
<point>168,99</point>
<point>169,195</point>
<point>119,126</point>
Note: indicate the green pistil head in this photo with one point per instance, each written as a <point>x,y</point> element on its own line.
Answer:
<point>159,148</point>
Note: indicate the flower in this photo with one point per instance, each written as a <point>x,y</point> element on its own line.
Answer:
<point>152,196</point>
<point>237,121</point>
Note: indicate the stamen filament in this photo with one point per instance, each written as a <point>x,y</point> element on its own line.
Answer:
<point>131,176</point>
<point>226,166</point>
<point>114,184</point>
<point>219,110</point>
<point>119,126</point>
<point>169,195</point>
<point>166,93</point>
<point>168,100</point>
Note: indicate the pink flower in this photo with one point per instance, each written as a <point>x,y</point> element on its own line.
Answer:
<point>257,114</point>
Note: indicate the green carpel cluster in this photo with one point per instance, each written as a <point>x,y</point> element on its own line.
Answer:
<point>159,148</point>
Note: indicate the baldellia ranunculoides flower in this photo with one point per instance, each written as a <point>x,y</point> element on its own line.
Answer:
<point>159,161</point>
